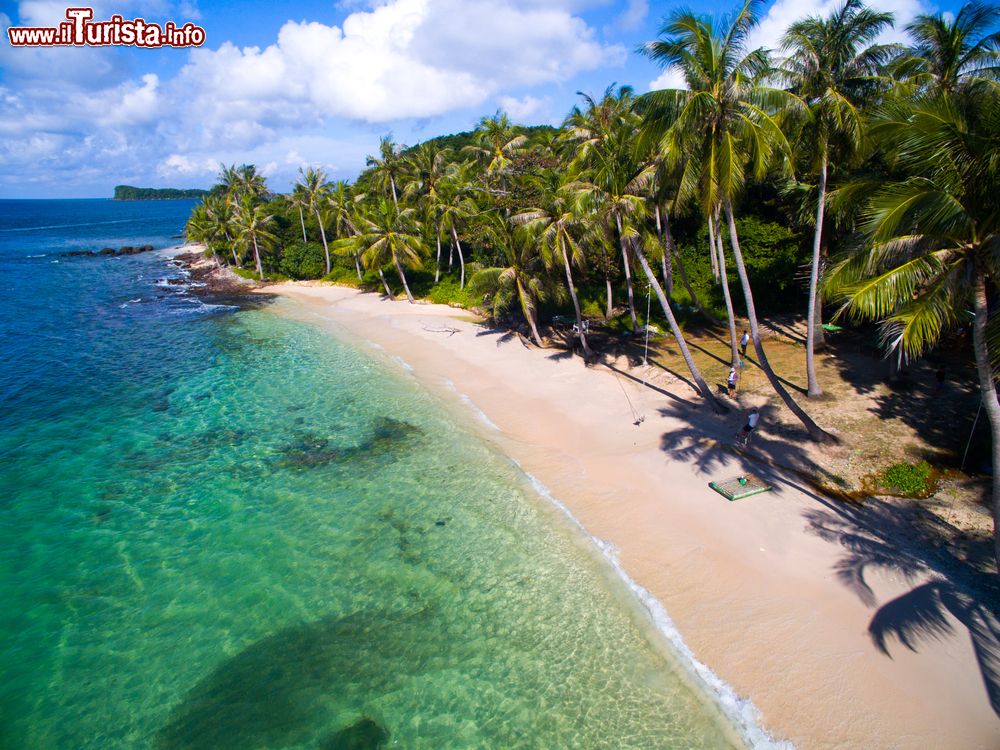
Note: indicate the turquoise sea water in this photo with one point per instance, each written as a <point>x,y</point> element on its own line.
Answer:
<point>224,529</point>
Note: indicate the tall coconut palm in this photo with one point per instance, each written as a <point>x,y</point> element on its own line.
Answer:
<point>389,236</point>
<point>314,189</point>
<point>833,66</point>
<point>456,206</point>
<point>719,127</point>
<point>426,169</point>
<point>559,225</point>
<point>611,165</point>
<point>300,199</point>
<point>387,167</point>
<point>522,277</point>
<point>951,53</point>
<point>252,224</point>
<point>498,142</point>
<point>341,206</point>
<point>934,239</point>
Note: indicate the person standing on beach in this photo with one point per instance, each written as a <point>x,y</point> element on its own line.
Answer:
<point>731,381</point>
<point>744,342</point>
<point>753,418</point>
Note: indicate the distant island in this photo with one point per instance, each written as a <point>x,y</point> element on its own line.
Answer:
<point>129,193</point>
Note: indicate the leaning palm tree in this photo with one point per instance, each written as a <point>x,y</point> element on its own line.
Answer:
<point>833,66</point>
<point>522,278</point>
<point>933,255</point>
<point>952,53</point>
<point>252,226</point>
<point>388,236</point>
<point>720,127</point>
<point>559,225</point>
<point>314,189</point>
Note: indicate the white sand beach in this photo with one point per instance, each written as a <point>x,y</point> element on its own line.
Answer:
<point>751,586</point>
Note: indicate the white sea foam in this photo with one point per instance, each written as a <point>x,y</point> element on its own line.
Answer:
<point>402,363</point>
<point>740,711</point>
<point>472,405</point>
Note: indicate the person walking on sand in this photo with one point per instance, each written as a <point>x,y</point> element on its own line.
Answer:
<point>744,342</point>
<point>752,419</point>
<point>731,381</point>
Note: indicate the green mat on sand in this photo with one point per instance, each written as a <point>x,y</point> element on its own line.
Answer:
<point>734,489</point>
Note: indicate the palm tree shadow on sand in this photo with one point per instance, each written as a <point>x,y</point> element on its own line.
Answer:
<point>950,573</point>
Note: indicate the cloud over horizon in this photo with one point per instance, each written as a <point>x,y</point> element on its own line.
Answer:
<point>398,60</point>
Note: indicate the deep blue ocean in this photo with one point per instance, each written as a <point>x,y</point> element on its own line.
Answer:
<point>221,528</point>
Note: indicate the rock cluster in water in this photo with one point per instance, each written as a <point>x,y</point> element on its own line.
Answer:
<point>126,250</point>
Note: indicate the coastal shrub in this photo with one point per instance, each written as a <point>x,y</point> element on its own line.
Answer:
<point>343,276</point>
<point>303,261</point>
<point>911,480</point>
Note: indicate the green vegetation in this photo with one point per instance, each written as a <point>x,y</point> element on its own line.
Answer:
<point>129,193</point>
<point>834,171</point>
<point>909,480</point>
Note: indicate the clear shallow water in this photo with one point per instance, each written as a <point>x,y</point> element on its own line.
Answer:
<point>227,530</point>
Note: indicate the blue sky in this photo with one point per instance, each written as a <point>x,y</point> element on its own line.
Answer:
<point>285,85</point>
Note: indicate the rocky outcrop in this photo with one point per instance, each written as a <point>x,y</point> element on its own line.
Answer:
<point>126,250</point>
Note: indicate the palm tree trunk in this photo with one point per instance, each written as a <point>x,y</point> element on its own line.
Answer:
<point>402,277</point>
<point>712,246</point>
<point>392,184</point>
<point>388,291</point>
<point>628,275</point>
<point>812,323</point>
<point>357,267</point>
<point>576,304</point>
<point>528,309</point>
<point>437,264</point>
<point>987,386</point>
<point>815,431</point>
<point>322,233</point>
<point>730,315</point>
<point>706,392</point>
<point>461,257</point>
<point>302,221</point>
<point>610,305</point>
<point>666,258</point>
<point>256,257</point>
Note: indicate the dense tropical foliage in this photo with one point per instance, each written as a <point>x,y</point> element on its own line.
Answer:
<point>837,170</point>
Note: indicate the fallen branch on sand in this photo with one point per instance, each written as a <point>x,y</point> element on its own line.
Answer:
<point>450,331</point>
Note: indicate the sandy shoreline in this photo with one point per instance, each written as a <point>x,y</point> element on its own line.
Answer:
<point>751,587</point>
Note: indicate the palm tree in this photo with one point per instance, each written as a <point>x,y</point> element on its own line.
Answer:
<point>498,143</point>
<point>388,235</point>
<point>608,157</point>
<point>718,127</point>
<point>300,199</point>
<point>341,205</point>
<point>426,169</point>
<point>456,205</point>
<point>314,190</point>
<point>559,225</point>
<point>950,55</point>
<point>832,66</point>
<point>934,238</point>
<point>387,166</point>
<point>252,224</point>
<point>522,277</point>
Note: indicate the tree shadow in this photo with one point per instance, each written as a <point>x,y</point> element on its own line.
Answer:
<point>949,572</point>
<point>647,384</point>
<point>283,689</point>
